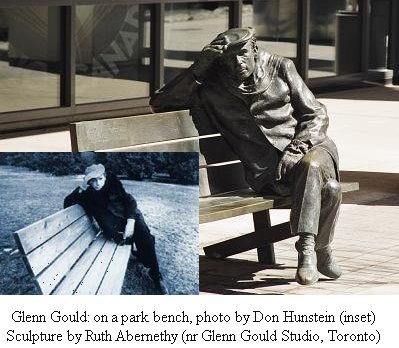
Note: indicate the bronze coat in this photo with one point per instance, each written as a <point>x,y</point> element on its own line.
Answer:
<point>258,122</point>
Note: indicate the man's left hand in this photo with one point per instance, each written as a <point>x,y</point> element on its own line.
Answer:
<point>286,165</point>
<point>292,154</point>
<point>129,229</point>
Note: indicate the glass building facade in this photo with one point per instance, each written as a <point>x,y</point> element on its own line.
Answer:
<point>30,60</point>
<point>65,61</point>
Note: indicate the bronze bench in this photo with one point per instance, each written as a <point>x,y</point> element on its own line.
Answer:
<point>223,190</point>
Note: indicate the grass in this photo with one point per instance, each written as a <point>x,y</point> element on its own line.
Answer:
<point>171,212</point>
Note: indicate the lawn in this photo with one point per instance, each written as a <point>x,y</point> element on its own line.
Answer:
<point>171,211</point>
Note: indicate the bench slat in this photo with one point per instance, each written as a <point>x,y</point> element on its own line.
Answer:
<point>234,209</point>
<point>243,202</point>
<point>44,255</point>
<point>182,145</point>
<point>227,196</point>
<point>77,273</point>
<point>133,130</point>
<point>92,279</point>
<point>113,279</point>
<point>50,277</point>
<point>32,236</point>
<point>234,201</point>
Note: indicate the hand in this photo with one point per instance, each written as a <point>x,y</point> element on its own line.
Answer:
<point>292,154</point>
<point>129,229</point>
<point>206,58</point>
<point>83,187</point>
<point>286,165</point>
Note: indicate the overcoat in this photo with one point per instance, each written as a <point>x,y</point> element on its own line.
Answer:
<point>111,206</point>
<point>259,121</point>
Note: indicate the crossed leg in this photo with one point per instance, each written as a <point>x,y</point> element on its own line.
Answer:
<point>315,207</point>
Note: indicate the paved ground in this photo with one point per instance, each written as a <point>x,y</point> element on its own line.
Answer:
<point>364,124</point>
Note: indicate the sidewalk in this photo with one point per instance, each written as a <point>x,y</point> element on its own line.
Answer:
<point>364,123</point>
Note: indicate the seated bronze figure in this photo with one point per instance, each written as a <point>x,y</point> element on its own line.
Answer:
<point>272,121</point>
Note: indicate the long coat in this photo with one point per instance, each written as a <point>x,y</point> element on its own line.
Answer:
<point>258,122</point>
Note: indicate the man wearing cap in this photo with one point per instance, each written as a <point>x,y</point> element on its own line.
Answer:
<point>103,197</point>
<point>273,122</point>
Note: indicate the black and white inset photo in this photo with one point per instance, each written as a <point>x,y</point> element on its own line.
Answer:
<point>99,223</point>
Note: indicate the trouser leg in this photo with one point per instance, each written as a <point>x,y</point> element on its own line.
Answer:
<point>316,199</point>
<point>145,243</point>
<point>331,201</point>
<point>313,192</point>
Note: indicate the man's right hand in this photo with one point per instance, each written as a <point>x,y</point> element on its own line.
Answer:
<point>206,58</point>
<point>129,229</point>
<point>83,187</point>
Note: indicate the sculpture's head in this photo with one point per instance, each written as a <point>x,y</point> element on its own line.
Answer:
<point>240,53</point>
<point>95,176</point>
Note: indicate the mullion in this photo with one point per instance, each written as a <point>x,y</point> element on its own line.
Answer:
<point>68,54</point>
<point>365,8</point>
<point>235,14</point>
<point>303,33</point>
<point>157,44</point>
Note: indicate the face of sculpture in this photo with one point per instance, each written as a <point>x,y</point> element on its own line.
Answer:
<point>97,183</point>
<point>240,61</point>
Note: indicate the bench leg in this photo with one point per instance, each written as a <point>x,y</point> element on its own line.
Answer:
<point>263,229</point>
<point>262,240</point>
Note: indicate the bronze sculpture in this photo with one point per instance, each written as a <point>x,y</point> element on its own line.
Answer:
<point>273,122</point>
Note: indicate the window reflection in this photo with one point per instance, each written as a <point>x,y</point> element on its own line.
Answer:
<point>275,22</point>
<point>112,52</point>
<point>29,58</point>
<point>335,38</point>
<point>188,28</point>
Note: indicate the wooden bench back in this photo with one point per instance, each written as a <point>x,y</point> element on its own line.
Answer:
<point>169,129</point>
<point>220,169</point>
<point>51,246</point>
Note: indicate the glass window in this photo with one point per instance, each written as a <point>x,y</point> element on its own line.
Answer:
<point>335,38</point>
<point>112,52</point>
<point>29,58</point>
<point>188,28</point>
<point>275,22</point>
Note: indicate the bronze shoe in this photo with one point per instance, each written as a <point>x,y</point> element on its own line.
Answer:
<point>326,263</point>
<point>306,273</point>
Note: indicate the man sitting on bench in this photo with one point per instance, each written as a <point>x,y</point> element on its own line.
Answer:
<point>103,197</point>
<point>273,122</point>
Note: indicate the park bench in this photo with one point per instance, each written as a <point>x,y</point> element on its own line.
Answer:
<point>224,192</point>
<point>67,255</point>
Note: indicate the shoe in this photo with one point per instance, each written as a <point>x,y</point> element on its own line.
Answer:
<point>159,283</point>
<point>326,263</point>
<point>306,273</point>
<point>161,287</point>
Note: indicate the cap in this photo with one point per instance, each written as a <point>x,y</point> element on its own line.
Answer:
<point>93,171</point>
<point>235,36</point>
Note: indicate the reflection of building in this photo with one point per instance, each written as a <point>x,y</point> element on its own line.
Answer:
<point>60,64</point>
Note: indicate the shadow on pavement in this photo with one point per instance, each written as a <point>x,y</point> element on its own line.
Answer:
<point>238,275</point>
<point>375,188</point>
<point>365,92</point>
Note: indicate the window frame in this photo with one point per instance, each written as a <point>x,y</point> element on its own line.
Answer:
<point>69,111</point>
